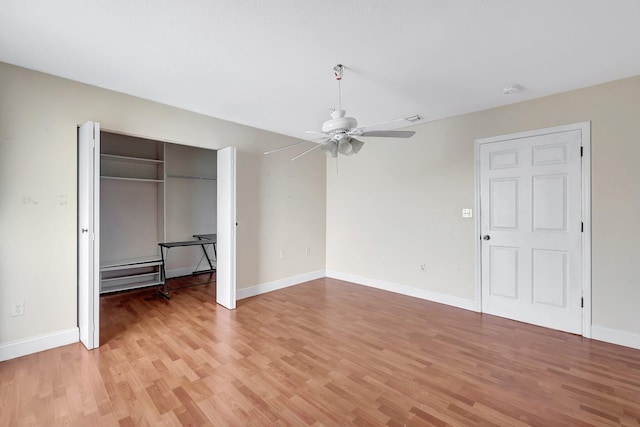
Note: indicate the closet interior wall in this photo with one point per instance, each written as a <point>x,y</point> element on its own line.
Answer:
<point>132,204</point>
<point>190,203</point>
<point>151,192</point>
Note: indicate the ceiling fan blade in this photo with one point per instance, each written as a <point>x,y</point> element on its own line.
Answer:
<point>313,131</point>
<point>285,147</point>
<point>306,152</point>
<point>320,140</point>
<point>389,133</point>
<point>399,122</point>
<point>390,125</point>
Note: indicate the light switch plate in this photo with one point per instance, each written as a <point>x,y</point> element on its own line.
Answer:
<point>467,213</point>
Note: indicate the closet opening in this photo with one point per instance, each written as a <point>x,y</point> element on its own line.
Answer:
<point>151,212</point>
<point>157,212</point>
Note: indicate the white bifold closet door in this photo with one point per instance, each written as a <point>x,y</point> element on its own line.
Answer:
<point>89,234</point>
<point>226,229</point>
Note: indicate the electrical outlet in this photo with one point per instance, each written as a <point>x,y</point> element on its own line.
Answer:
<point>467,213</point>
<point>17,308</point>
<point>282,253</point>
<point>307,251</point>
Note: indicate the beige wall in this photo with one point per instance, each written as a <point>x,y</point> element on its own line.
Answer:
<point>397,204</point>
<point>38,208</point>
<point>278,212</point>
<point>392,207</point>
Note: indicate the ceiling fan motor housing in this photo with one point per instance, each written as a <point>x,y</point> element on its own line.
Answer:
<point>339,123</point>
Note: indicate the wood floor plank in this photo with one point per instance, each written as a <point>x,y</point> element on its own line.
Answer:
<point>323,353</point>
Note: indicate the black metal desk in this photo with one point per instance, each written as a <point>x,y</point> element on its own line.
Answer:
<point>212,237</point>
<point>164,252</point>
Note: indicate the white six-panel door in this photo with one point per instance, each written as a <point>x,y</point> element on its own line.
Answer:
<point>530,191</point>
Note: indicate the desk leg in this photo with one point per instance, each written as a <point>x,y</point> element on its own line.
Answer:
<point>206,255</point>
<point>163,275</point>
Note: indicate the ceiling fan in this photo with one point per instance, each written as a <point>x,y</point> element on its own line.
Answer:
<point>338,134</point>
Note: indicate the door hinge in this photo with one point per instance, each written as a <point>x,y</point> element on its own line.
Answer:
<point>582,227</point>
<point>582,302</point>
<point>581,151</point>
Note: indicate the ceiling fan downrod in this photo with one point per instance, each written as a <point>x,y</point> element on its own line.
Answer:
<point>337,71</point>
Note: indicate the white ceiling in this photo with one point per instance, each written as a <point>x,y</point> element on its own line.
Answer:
<point>268,64</point>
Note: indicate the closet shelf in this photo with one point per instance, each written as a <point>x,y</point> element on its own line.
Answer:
<point>131,263</point>
<point>131,276</point>
<point>126,287</point>
<point>207,178</point>
<point>127,159</point>
<point>121,178</point>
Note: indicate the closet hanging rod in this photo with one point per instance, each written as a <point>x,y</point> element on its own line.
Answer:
<point>207,178</point>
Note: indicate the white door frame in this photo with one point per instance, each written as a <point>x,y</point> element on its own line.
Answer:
<point>89,321</point>
<point>585,129</point>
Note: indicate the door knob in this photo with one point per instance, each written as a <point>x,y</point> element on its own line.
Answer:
<point>486,237</point>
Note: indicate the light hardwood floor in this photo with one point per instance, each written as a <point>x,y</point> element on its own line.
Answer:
<point>322,353</point>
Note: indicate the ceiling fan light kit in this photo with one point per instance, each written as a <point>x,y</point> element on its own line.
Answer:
<point>330,149</point>
<point>340,130</point>
<point>356,145</point>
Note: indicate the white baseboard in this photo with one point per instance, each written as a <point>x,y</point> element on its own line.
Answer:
<point>278,284</point>
<point>19,348</point>
<point>614,336</point>
<point>467,304</point>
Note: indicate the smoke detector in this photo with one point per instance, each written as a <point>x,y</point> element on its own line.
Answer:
<point>512,88</point>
